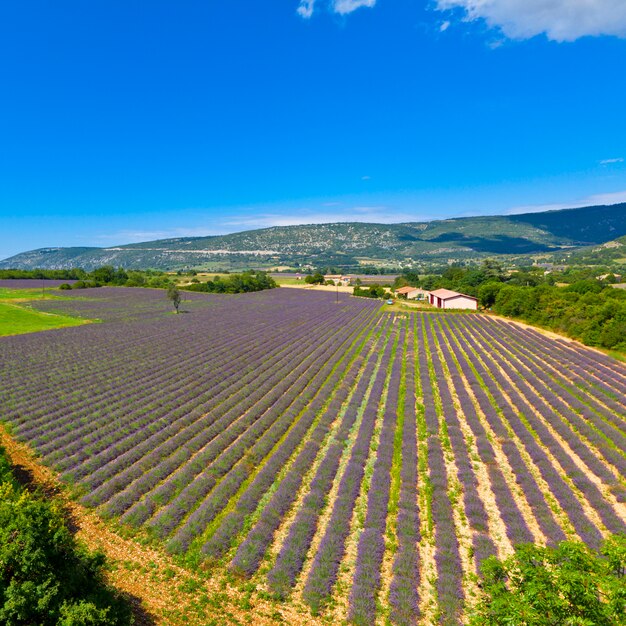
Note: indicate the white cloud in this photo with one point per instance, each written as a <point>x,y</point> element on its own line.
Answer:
<point>342,7</point>
<point>366,177</point>
<point>138,236</point>
<point>372,214</point>
<point>306,8</point>
<point>607,198</point>
<point>559,20</point>
<point>615,197</point>
<point>610,161</point>
<point>444,26</point>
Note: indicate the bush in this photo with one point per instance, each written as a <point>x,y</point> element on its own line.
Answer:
<point>374,291</point>
<point>314,279</point>
<point>46,577</point>
<point>85,284</point>
<point>569,584</point>
<point>488,292</point>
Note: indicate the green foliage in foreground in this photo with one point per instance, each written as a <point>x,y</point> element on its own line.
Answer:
<point>235,283</point>
<point>16,320</point>
<point>46,577</point>
<point>570,585</point>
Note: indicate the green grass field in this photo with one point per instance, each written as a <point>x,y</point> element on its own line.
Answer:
<point>16,320</point>
<point>289,281</point>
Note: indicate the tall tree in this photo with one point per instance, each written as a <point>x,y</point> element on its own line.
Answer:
<point>174,295</point>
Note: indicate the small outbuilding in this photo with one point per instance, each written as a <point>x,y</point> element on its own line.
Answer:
<point>412,293</point>
<point>447,299</point>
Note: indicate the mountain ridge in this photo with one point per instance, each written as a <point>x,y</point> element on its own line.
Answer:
<point>351,243</point>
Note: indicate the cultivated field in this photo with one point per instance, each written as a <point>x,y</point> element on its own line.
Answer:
<point>347,461</point>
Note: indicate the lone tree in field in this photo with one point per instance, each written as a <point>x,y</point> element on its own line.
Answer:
<point>174,295</point>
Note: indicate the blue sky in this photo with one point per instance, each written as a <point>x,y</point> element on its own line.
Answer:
<point>128,120</point>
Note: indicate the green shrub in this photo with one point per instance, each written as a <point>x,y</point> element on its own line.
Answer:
<point>569,585</point>
<point>46,577</point>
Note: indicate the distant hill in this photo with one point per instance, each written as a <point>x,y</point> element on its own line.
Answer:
<point>351,243</point>
<point>607,254</point>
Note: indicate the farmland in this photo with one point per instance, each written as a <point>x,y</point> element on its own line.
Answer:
<point>349,462</point>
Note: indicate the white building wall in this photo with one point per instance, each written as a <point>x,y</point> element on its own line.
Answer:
<point>417,295</point>
<point>460,302</point>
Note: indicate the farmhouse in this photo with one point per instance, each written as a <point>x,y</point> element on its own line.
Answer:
<point>412,293</point>
<point>338,279</point>
<point>446,299</point>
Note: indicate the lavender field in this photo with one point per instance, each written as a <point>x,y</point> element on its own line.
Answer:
<point>357,464</point>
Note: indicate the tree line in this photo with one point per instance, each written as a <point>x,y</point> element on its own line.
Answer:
<point>235,283</point>
<point>120,277</point>
<point>105,275</point>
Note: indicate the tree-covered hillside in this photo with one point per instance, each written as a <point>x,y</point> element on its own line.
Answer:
<point>349,244</point>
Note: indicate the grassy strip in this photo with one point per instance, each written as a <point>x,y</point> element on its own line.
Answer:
<point>396,466</point>
<point>18,320</point>
<point>31,294</point>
